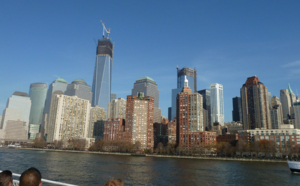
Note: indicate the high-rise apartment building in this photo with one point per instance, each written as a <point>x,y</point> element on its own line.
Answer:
<point>57,85</point>
<point>116,108</point>
<point>80,89</point>
<point>97,115</point>
<point>189,120</point>
<point>191,76</point>
<point>149,87</point>
<point>237,109</point>
<point>17,109</point>
<point>206,108</point>
<point>68,118</point>
<point>216,103</point>
<point>276,113</point>
<point>255,104</point>
<point>112,127</point>
<point>103,73</point>
<point>139,120</point>
<point>172,131</point>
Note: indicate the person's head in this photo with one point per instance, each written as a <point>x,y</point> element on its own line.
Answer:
<point>6,178</point>
<point>114,182</point>
<point>31,177</point>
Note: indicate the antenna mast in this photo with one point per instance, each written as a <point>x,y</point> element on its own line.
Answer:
<point>104,29</point>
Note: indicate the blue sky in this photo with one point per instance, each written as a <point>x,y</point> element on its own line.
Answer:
<point>226,41</point>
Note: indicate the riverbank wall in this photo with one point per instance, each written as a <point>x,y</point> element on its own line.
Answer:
<point>164,156</point>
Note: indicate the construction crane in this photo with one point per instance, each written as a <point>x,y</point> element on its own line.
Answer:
<point>104,29</point>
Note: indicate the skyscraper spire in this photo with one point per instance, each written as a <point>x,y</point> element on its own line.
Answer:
<point>290,90</point>
<point>186,82</point>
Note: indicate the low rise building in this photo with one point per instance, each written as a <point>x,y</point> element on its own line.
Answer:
<point>281,143</point>
<point>227,138</point>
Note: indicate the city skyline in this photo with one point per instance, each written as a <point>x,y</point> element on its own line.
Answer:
<point>224,46</point>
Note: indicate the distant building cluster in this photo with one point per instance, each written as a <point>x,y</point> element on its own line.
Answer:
<point>66,111</point>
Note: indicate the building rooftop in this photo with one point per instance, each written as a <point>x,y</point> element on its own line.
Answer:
<point>23,94</point>
<point>79,81</point>
<point>61,80</point>
<point>145,78</point>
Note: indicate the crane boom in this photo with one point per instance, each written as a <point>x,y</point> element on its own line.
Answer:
<point>104,29</point>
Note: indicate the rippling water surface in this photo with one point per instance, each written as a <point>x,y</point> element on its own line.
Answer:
<point>94,169</point>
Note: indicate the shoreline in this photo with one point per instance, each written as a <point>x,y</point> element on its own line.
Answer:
<point>161,156</point>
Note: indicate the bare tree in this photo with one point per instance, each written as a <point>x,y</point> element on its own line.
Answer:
<point>39,143</point>
<point>57,144</point>
<point>170,148</point>
<point>240,146</point>
<point>137,146</point>
<point>256,147</point>
<point>160,148</point>
<point>79,144</point>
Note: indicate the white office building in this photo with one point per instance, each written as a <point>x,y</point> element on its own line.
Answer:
<point>217,103</point>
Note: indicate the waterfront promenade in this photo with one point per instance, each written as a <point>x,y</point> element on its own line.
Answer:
<point>166,156</point>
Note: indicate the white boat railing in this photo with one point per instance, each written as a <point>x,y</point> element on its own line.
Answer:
<point>16,182</point>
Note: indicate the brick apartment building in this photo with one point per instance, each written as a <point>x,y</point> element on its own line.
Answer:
<point>228,138</point>
<point>189,130</point>
<point>139,121</point>
<point>112,128</point>
<point>172,131</point>
<point>282,143</point>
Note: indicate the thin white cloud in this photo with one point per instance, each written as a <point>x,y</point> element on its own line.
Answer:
<point>292,64</point>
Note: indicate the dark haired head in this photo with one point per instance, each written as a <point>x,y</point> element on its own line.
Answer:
<point>114,182</point>
<point>6,178</point>
<point>31,177</point>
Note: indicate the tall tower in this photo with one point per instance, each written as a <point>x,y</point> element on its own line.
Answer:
<point>37,94</point>
<point>255,104</point>
<point>191,76</point>
<point>58,84</point>
<point>116,108</point>
<point>206,108</point>
<point>80,89</point>
<point>149,87</point>
<point>189,129</point>
<point>103,72</point>
<point>139,120</point>
<point>217,103</point>
<point>237,109</point>
<point>276,113</point>
<point>17,109</point>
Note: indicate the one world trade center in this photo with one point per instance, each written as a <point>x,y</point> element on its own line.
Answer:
<point>103,71</point>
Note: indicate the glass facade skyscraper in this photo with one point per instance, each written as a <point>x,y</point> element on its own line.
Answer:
<point>206,106</point>
<point>217,103</point>
<point>103,73</point>
<point>191,76</point>
<point>237,109</point>
<point>37,94</point>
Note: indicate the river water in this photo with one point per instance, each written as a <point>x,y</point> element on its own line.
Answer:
<point>95,169</point>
